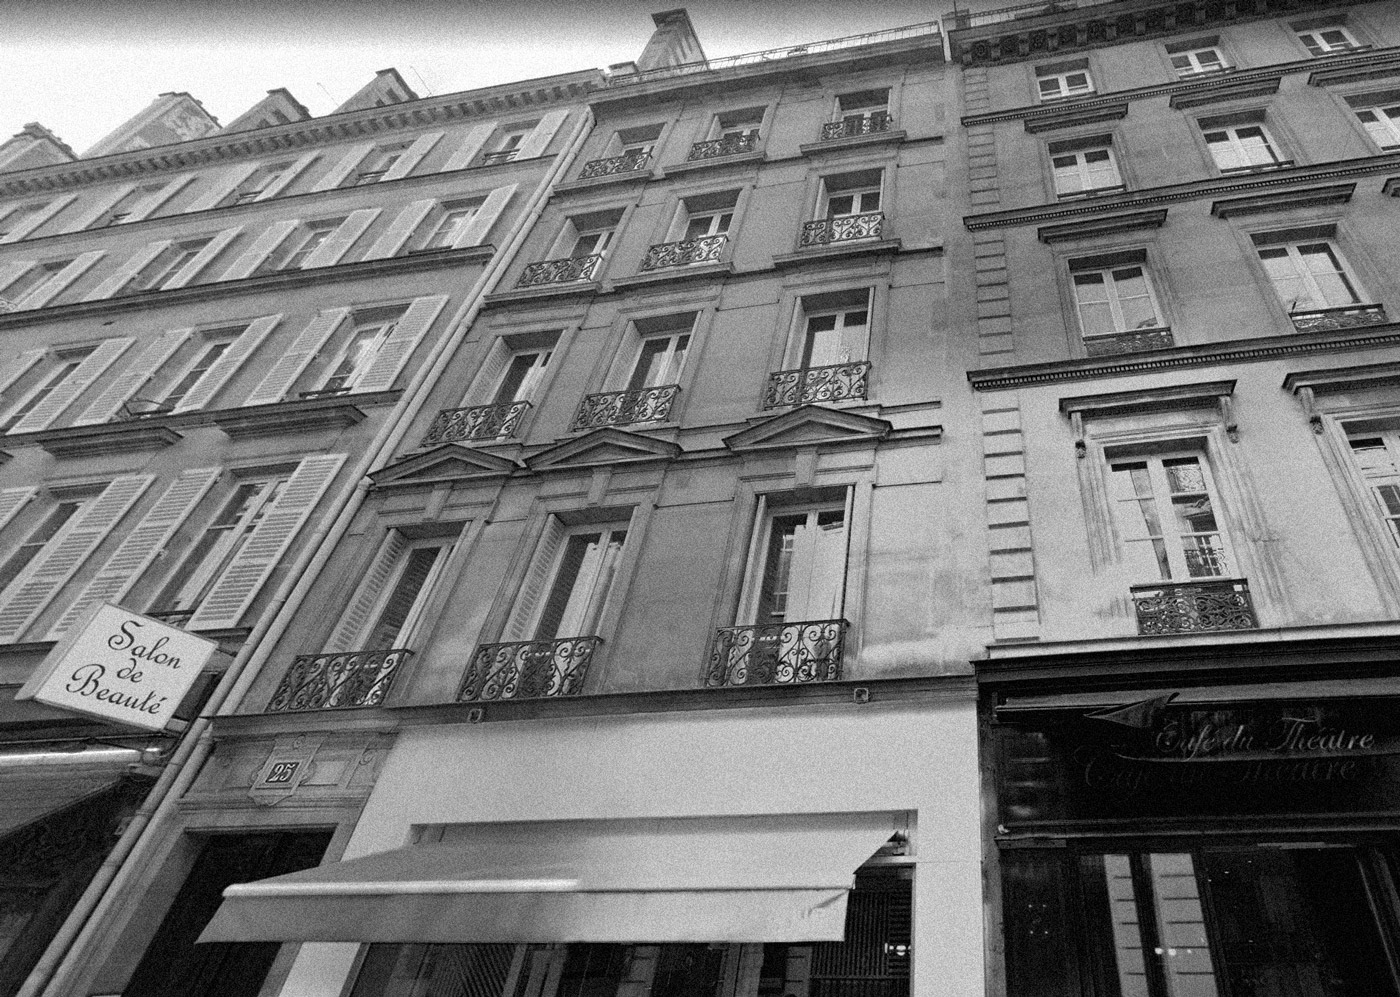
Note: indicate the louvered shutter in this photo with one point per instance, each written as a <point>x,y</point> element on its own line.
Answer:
<point>126,384</point>
<point>412,156</point>
<point>202,259</point>
<point>94,365</point>
<point>140,547</point>
<point>288,175</point>
<point>398,347</point>
<point>476,231</point>
<point>537,141</point>
<point>329,253</point>
<point>106,201</point>
<point>59,282</point>
<point>27,595</point>
<point>209,383</point>
<point>12,500</point>
<point>263,247</point>
<point>353,157</point>
<point>151,203</point>
<point>483,389</point>
<point>398,233</point>
<point>223,185</point>
<point>290,364</point>
<point>127,272</point>
<point>14,369</point>
<point>38,218</point>
<point>356,617</point>
<point>11,272</point>
<point>238,586</point>
<point>536,584</point>
<point>471,146</point>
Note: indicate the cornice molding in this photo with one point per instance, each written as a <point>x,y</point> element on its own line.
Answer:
<point>1073,119</point>
<point>1232,90</point>
<point>1094,227</point>
<point>1284,200</point>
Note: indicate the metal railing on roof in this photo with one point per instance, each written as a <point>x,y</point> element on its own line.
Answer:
<point>959,19</point>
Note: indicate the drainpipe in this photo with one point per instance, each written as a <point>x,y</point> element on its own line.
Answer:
<point>53,975</point>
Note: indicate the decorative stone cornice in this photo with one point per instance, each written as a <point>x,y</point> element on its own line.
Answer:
<point>1284,200</point>
<point>1073,119</point>
<point>1229,90</point>
<point>1109,225</point>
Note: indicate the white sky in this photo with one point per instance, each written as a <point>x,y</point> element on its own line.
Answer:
<point>82,68</point>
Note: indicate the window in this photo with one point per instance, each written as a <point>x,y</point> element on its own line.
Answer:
<point>398,608</point>
<point>122,210</point>
<point>704,216</point>
<point>858,111</point>
<point>1380,114</point>
<point>704,223</point>
<point>847,196</point>
<point>451,223</point>
<point>1196,56</point>
<point>1378,457</point>
<point>799,568</point>
<point>170,262</point>
<point>25,212</point>
<point>65,364</point>
<point>577,565</point>
<point>215,345</point>
<point>1240,147</point>
<point>300,247</point>
<point>376,164</point>
<point>639,141</point>
<point>1328,40</point>
<point>263,177</point>
<point>1114,299</point>
<point>1165,510</point>
<point>1308,274</point>
<point>48,528</point>
<point>835,329</point>
<point>1065,79</point>
<point>660,358</point>
<point>738,129</point>
<point>368,336</point>
<point>586,235</point>
<point>32,280</point>
<point>1084,166</point>
<point>524,369</point>
<point>508,145</point>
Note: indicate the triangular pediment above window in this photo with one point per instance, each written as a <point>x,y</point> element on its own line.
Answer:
<point>603,447</point>
<point>449,462</point>
<point>808,426</point>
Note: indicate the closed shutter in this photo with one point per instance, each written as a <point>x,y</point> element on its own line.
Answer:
<point>536,584</point>
<point>290,364</point>
<point>59,282</point>
<point>148,205</point>
<point>329,253</point>
<point>476,231</point>
<point>12,500</point>
<point>134,378</point>
<point>140,547</point>
<point>202,259</point>
<point>238,586</point>
<point>38,218</point>
<point>471,146</point>
<point>14,369</point>
<point>11,272</point>
<point>94,365</point>
<point>412,156</point>
<point>127,272</point>
<point>27,595</point>
<point>223,185</point>
<point>399,346</point>
<point>263,247</point>
<point>106,201</point>
<point>353,157</point>
<point>398,233</point>
<point>288,175</point>
<point>356,617</point>
<point>538,140</point>
<point>209,383</point>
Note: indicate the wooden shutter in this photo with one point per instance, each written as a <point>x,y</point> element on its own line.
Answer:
<point>13,271</point>
<point>279,380</point>
<point>536,584</point>
<point>263,247</point>
<point>394,352</point>
<point>218,374</point>
<point>59,282</point>
<point>106,201</point>
<point>14,369</point>
<point>149,204</point>
<point>471,145</point>
<point>353,157</point>
<point>474,233</point>
<point>140,547</point>
<point>12,500</point>
<point>356,617</point>
<point>27,595</point>
<point>127,272</point>
<point>412,156</point>
<point>202,259</point>
<point>94,365</point>
<point>399,232</point>
<point>39,217</point>
<point>329,253</point>
<point>238,585</point>
<point>134,378</point>
<point>291,173</point>
<point>538,140</point>
<point>224,185</point>
<point>483,387</point>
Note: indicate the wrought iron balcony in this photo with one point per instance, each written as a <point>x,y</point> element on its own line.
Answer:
<point>1198,606</point>
<point>729,145</point>
<point>477,422</point>
<point>777,654</point>
<point>528,669</point>
<point>858,124</point>
<point>621,408</point>
<point>341,681</point>
<point>625,163</point>
<point>497,158</point>
<point>706,249</point>
<point>560,271</point>
<point>844,228</point>
<point>1133,341</point>
<point>1345,317</point>
<point>835,383</point>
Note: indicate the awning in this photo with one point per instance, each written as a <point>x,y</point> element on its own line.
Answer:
<point>1014,706</point>
<point>721,879</point>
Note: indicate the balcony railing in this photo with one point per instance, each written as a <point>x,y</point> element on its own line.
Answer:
<point>628,162</point>
<point>777,654</point>
<point>1133,341</point>
<point>621,408</point>
<point>1199,606</point>
<point>730,145</point>
<point>497,158</point>
<point>811,385</point>
<point>477,422</point>
<point>706,249</point>
<point>845,228</point>
<point>529,669</point>
<point>341,681</point>
<point>560,271</point>
<point>1345,317</point>
<point>858,124</point>
<point>967,19</point>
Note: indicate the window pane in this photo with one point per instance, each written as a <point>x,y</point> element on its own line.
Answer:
<point>387,630</point>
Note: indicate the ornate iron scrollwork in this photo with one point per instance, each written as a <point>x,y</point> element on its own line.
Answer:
<point>729,145</point>
<point>1137,341</point>
<point>1194,607</point>
<point>625,163</point>
<point>341,681</point>
<point>560,271</point>
<point>1346,317</point>
<point>809,385</point>
<point>863,124</point>
<point>679,254</point>
<point>528,669</point>
<point>477,422</point>
<point>844,228</point>
<point>620,408</point>
<point>777,654</point>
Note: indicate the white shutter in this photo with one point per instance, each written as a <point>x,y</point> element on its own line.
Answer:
<point>12,500</point>
<point>134,378</point>
<point>474,233</point>
<point>140,547</point>
<point>38,218</point>
<point>412,156</point>
<point>538,140</point>
<point>209,383</point>
<point>11,272</point>
<point>59,282</point>
<point>148,205</point>
<point>329,253</point>
<point>536,584</point>
<point>94,365</point>
<point>27,595</point>
<point>106,201</point>
<point>353,157</point>
<point>398,233</point>
<point>394,352</point>
<point>238,585</point>
<point>471,145</point>
<point>202,259</point>
<point>227,182</point>
<point>263,247</point>
<point>127,272</point>
<point>14,369</point>
<point>828,578</point>
<point>483,387</point>
<point>353,623</point>
<point>288,175</point>
<point>293,361</point>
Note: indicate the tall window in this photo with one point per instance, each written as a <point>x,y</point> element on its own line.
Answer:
<point>1063,80</point>
<point>377,163</point>
<point>121,211</point>
<point>740,127</point>
<point>800,572</point>
<point>571,576</point>
<point>1084,166</point>
<point>522,375</point>
<point>834,331</point>
<point>401,604</point>
<point>265,175</point>
<point>1328,40</point>
<point>63,367</point>
<point>1166,515</point>
<point>852,194</point>
<point>366,340</point>
<point>1380,114</point>
<point>48,528</point>
<point>706,222</point>
<point>659,360</point>
<point>639,141</point>
<point>33,280</point>
<point>1378,457</point>
<point>1115,299</point>
<point>456,216</point>
<point>507,144</point>
<point>11,221</point>
<point>1240,147</point>
<point>1195,61</point>
<point>300,246</point>
<point>166,265</point>
<point>855,109</point>
<point>1309,275</point>
<point>215,345</point>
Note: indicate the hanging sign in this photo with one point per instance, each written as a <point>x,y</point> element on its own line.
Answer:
<point>120,666</point>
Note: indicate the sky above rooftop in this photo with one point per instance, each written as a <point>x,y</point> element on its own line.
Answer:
<point>82,68</point>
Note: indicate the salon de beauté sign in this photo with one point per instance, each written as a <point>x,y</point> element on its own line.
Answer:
<point>120,666</point>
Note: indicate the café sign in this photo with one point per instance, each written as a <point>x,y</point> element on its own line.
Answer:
<point>120,666</point>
